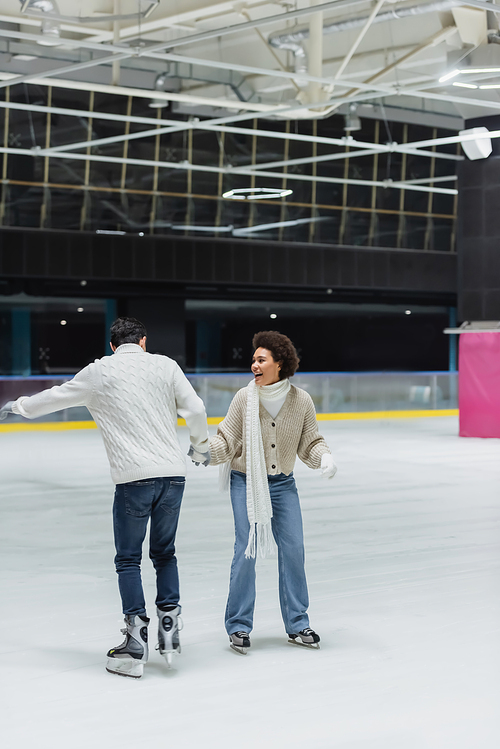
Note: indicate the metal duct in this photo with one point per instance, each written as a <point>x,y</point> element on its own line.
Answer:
<point>191,72</point>
<point>283,41</point>
<point>300,61</point>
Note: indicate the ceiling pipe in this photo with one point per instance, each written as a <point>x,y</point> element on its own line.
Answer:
<point>165,122</point>
<point>300,35</point>
<point>148,53</point>
<point>184,166</point>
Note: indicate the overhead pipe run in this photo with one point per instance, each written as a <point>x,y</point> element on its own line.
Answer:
<point>298,36</point>
<point>185,166</point>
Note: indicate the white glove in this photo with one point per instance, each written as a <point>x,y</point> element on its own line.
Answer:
<point>328,467</point>
<point>197,457</point>
<point>6,409</point>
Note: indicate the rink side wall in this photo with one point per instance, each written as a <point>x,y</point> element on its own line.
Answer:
<point>336,396</point>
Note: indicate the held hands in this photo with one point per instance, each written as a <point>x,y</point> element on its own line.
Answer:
<point>328,467</point>
<point>6,409</point>
<point>197,457</point>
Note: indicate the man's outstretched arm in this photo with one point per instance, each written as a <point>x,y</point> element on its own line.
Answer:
<point>75,392</point>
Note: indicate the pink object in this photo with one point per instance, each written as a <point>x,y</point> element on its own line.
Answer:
<point>479,384</point>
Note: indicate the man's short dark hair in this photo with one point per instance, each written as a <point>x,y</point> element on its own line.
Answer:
<point>126,330</point>
<point>281,348</point>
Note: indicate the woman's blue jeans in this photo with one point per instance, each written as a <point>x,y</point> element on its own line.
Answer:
<point>287,532</point>
<point>135,503</point>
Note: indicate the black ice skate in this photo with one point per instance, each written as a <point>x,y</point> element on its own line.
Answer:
<point>169,625</point>
<point>307,638</point>
<point>129,658</point>
<point>239,642</point>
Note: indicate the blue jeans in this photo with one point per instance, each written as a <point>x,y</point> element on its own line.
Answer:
<point>287,532</point>
<point>135,503</point>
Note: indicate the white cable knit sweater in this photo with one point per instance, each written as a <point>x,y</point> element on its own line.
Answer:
<point>134,397</point>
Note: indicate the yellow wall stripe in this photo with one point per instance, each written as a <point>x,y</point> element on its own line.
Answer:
<point>48,426</point>
<point>62,426</point>
<point>387,414</point>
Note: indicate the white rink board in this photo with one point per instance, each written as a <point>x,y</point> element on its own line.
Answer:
<point>402,560</point>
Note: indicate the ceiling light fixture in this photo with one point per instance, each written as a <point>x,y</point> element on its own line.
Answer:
<point>255,193</point>
<point>194,227</point>
<point>465,85</point>
<point>51,34</point>
<point>157,102</point>
<point>483,61</point>
<point>478,144</point>
<point>478,71</point>
<point>448,76</point>
<point>352,121</point>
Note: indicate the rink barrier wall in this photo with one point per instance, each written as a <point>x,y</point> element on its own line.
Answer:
<point>61,426</point>
<point>332,392</point>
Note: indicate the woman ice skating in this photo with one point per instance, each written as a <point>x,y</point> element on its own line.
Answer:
<point>268,424</point>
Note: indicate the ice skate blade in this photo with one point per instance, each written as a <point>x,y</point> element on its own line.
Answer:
<point>122,667</point>
<point>168,655</point>
<point>237,649</point>
<point>310,645</point>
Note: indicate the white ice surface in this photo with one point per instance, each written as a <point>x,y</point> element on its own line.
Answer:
<point>402,562</point>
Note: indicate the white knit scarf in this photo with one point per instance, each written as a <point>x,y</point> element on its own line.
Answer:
<point>259,508</point>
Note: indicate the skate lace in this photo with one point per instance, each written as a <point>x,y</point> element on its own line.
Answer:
<point>307,631</point>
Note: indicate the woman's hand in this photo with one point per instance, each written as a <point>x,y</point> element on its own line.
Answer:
<point>197,457</point>
<point>328,467</point>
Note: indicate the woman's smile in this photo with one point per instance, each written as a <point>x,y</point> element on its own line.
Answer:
<point>265,369</point>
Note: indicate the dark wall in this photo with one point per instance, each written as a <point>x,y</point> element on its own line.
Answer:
<point>478,240</point>
<point>151,277</point>
<point>164,321</point>
<point>56,347</point>
<point>390,342</point>
<point>65,258</point>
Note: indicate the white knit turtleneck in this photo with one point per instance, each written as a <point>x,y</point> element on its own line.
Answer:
<point>273,407</point>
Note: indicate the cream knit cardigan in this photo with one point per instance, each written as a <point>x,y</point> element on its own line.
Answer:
<point>294,431</point>
<point>134,397</point>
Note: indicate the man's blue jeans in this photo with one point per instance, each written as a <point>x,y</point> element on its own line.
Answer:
<point>287,532</point>
<point>135,503</point>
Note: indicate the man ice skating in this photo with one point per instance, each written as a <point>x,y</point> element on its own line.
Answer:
<point>135,397</point>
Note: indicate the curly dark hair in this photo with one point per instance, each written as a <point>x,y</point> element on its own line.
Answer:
<point>281,348</point>
<point>126,330</point>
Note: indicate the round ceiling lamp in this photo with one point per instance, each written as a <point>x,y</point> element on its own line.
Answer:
<point>256,193</point>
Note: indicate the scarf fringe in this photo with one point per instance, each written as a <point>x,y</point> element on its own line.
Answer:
<point>259,506</point>
<point>260,541</point>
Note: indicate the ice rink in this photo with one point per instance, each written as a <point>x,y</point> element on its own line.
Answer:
<point>402,560</point>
